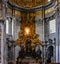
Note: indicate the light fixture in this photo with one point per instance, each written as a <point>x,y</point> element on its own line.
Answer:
<point>27,30</point>
<point>49,0</point>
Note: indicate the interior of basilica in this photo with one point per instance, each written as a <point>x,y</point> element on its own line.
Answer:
<point>29,31</point>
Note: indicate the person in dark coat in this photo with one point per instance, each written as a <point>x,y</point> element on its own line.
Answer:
<point>48,60</point>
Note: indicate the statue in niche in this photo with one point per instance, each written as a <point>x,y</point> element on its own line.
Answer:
<point>33,51</point>
<point>17,50</point>
<point>38,51</point>
<point>28,48</point>
<point>21,52</point>
<point>50,41</point>
<point>10,53</point>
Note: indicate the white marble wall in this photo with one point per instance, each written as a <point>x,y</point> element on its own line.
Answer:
<point>16,29</point>
<point>39,27</point>
<point>52,36</point>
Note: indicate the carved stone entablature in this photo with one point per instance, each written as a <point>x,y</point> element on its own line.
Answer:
<point>50,18</point>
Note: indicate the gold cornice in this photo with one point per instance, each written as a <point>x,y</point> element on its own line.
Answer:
<point>14,12</point>
<point>47,11</point>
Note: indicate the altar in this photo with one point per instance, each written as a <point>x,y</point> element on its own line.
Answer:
<point>28,41</point>
<point>29,61</point>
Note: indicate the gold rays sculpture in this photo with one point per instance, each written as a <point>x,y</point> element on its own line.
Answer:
<point>27,29</point>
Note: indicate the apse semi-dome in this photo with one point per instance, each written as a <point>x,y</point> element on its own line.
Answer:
<point>30,5</point>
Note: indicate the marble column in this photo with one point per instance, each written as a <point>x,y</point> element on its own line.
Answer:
<point>46,29</point>
<point>39,29</point>
<point>57,39</point>
<point>3,43</point>
<point>15,28</point>
<point>58,34</point>
<point>10,26</point>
